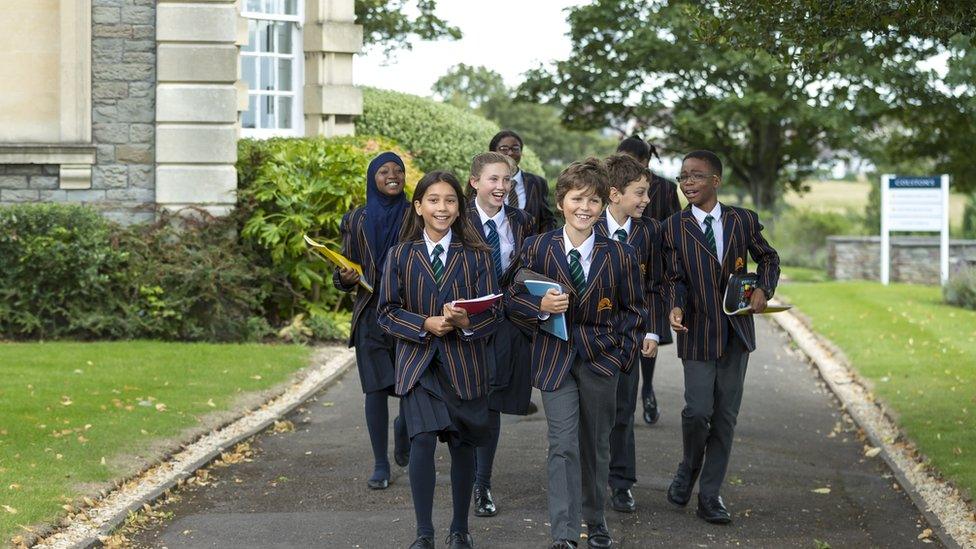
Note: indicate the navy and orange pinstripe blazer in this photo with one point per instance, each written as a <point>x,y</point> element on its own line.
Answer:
<point>605,323</point>
<point>356,248</point>
<point>523,226</point>
<point>645,239</point>
<point>408,295</point>
<point>695,279</point>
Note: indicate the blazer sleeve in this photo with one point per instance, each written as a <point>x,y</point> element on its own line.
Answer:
<point>523,307</point>
<point>632,307</point>
<point>484,323</point>
<point>653,282</point>
<point>675,280</point>
<point>390,314</point>
<point>765,256</point>
<point>347,249</point>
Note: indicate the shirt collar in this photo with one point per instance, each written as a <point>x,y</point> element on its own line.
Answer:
<point>612,224</point>
<point>701,214</point>
<point>518,177</point>
<point>585,249</point>
<point>444,242</point>
<point>498,217</point>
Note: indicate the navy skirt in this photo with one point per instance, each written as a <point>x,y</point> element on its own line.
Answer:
<point>510,370</point>
<point>433,406</point>
<point>375,354</point>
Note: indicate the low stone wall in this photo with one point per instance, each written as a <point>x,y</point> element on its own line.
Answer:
<point>914,259</point>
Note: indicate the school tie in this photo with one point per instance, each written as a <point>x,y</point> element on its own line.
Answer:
<point>710,234</point>
<point>496,247</point>
<point>513,196</point>
<point>620,234</point>
<point>576,271</point>
<point>437,265</point>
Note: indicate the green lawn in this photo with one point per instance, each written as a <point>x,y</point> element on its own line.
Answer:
<point>74,414</point>
<point>919,354</point>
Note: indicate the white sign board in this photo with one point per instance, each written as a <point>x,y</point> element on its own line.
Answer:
<point>916,204</point>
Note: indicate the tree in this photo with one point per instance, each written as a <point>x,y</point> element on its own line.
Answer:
<point>387,23</point>
<point>484,90</point>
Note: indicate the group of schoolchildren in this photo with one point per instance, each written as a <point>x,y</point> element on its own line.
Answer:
<point>632,267</point>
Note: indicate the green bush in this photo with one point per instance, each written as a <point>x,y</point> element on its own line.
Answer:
<point>292,186</point>
<point>800,236</point>
<point>960,290</point>
<point>438,135</point>
<point>969,217</point>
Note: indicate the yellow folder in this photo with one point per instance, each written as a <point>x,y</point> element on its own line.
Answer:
<point>339,260</point>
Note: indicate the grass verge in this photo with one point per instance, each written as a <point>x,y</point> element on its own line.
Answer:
<point>77,415</point>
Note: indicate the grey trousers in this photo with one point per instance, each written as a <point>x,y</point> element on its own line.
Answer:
<point>623,450</point>
<point>579,415</point>
<point>713,393</point>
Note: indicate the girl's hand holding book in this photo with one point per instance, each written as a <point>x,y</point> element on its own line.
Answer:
<point>348,277</point>
<point>438,325</point>
<point>456,316</point>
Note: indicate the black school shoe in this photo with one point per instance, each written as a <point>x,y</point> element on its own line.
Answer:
<point>563,544</point>
<point>712,509</point>
<point>422,542</point>
<point>651,413</point>
<point>598,537</point>
<point>458,540</point>
<point>622,501</point>
<point>484,504</point>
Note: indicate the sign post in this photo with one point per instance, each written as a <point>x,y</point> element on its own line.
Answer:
<point>915,204</point>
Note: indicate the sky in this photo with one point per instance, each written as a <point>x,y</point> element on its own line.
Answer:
<point>507,36</point>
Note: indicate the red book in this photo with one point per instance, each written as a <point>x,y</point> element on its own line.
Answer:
<point>477,305</point>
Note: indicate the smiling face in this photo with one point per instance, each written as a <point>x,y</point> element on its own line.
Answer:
<point>633,200</point>
<point>510,147</point>
<point>581,208</point>
<point>699,183</point>
<point>439,208</point>
<point>389,179</point>
<point>493,186</point>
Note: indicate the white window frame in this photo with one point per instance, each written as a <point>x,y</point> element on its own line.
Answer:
<point>298,75</point>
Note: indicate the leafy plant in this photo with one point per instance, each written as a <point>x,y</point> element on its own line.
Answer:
<point>960,290</point>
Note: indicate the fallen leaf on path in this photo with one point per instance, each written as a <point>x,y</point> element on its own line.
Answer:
<point>284,426</point>
<point>871,451</point>
<point>66,401</point>
<point>210,403</point>
<point>160,407</point>
<point>927,533</point>
<point>821,491</point>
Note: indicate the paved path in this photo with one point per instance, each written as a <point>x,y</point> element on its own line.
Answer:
<point>307,488</point>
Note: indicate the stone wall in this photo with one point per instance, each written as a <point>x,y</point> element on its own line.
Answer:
<point>913,259</point>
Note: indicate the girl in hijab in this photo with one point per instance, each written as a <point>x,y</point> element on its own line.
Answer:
<point>367,233</point>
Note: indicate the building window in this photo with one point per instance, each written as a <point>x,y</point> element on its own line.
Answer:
<point>271,65</point>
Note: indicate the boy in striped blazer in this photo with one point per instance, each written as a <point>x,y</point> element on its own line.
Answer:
<point>704,245</point>
<point>578,377</point>
<point>622,221</point>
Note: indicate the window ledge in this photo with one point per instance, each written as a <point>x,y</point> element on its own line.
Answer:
<point>75,160</point>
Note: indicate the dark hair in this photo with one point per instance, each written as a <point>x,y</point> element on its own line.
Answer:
<point>413,225</point>
<point>709,157</point>
<point>635,147</point>
<point>588,174</point>
<point>623,170</point>
<point>493,144</point>
<point>479,162</point>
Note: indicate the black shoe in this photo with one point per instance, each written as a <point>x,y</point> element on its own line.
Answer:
<point>484,505</point>
<point>622,501</point>
<point>651,413</point>
<point>422,543</point>
<point>378,483</point>
<point>679,492</point>
<point>457,540</point>
<point>598,537</point>
<point>563,544</point>
<point>531,409</point>
<point>401,443</point>
<point>713,510</point>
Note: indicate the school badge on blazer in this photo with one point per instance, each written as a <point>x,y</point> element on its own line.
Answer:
<point>739,263</point>
<point>604,305</point>
<point>643,267</point>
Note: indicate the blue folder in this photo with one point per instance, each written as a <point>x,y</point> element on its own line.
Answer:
<point>556,323</point>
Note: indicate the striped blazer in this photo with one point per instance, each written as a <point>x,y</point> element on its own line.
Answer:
<point>695,279</point>
<point>523,226</point>
<point>664,199</point>
<point>408,295</point>
<point>355,246</point>
<point>645,239</point>
<point>604,323</point>
<point>537,201</point>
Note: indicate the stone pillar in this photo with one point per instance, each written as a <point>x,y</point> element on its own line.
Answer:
<point>196,104</point>
<point>331,39</point>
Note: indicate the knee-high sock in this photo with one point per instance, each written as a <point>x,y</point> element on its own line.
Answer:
<point>377,423</point>
<point>462,483</point>
<point>485,455</point>
<point>422,479</point>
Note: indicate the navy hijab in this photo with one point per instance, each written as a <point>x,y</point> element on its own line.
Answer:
<point>384,213</point>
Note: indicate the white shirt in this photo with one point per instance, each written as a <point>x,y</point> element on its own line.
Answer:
<point>612,227</point>
<point>445,244</point>
<point>506,240</point>
<point>519,183</point>
<point>716,214</point>
<point>585,250</point>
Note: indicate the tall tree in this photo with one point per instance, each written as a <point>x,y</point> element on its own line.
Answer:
<point>388,24</point>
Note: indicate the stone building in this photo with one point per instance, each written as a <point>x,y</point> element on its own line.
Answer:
<point>135,106</point>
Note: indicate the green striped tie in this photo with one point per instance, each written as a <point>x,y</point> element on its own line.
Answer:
<point>620,234</point>
<point>576,271</point>
<point>437,264</point>
<point>710,234</point>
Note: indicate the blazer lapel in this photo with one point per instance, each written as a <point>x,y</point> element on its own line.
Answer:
<point>420,255</point>
<point>455,256</point>
<point>475,220</point>
<point>517,229</point>
<point>597,264</point>
<point>601,225</point>
<point>730,222</point>
<point>557,251</point>
<point>692,228</point>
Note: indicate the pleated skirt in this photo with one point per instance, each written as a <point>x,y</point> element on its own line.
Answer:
<point>375,354</point>
<point>433,406</point>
